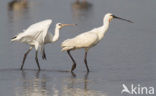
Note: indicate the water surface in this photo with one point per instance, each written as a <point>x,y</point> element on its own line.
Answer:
<point>125,55</point>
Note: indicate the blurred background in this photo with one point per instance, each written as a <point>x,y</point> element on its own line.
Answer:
<point>125,55</point>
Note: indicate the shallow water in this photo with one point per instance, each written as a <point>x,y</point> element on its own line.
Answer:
<point>126,55</point>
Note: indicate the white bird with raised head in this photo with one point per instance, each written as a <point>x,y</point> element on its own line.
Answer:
<point>37,36</point>
<point>88,39</point>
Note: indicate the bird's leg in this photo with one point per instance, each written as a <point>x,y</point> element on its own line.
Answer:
<point>44,55</point>
<point>85,61</point>
<point>25,55</point>
<point>74,63</point>
<point>36,58</point>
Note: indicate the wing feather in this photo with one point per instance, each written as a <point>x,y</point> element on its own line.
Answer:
<point>37,31</point>
<point>81,41</point>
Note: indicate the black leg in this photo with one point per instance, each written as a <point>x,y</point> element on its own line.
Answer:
<point>25,56</point>
<point>85,60</point>
<point>44,55</point>
<point>36,58</point>
<point>74,63</point>
<point>73,74</point>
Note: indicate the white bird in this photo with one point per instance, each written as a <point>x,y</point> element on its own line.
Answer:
<point>37,36</point>
<point>88,39</point>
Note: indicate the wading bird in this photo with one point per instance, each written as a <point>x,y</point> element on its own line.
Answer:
<point>88,39</point>
<point>37,36</point>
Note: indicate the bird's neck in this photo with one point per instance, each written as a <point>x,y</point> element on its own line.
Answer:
<point>104,29</point>
<point>56,34</point>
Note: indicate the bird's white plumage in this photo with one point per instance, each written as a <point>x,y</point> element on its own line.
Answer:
<point>36,34</point>
<point>84,40</point>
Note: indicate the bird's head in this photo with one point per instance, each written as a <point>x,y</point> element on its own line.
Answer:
<point>109,16</point>
<point>60,25</point>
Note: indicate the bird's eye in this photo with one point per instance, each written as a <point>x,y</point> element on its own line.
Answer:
<point>59,24</point>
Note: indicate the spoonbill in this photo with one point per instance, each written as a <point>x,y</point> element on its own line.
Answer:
<point>88,39</point>
<point>37,36</point>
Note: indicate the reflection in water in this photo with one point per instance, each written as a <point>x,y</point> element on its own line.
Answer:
<point>36,86</point>
<point>17,5</point>
<point>73,87</point>
<point>36,83</point>
<point>81,8</point>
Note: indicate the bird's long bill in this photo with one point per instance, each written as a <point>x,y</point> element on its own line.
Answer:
<point>68,25</point>
<point>121,19</point>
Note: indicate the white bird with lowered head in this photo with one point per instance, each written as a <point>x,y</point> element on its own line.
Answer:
<point>37,36</point>
<point>88,39</point>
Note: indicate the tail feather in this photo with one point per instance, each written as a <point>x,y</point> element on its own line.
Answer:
<point>67,45</point>
<point>16,37</point>
<point>13,39</point>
